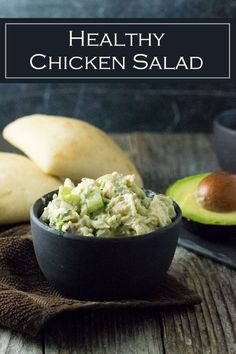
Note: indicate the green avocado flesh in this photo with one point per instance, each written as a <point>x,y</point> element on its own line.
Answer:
<point>183,192</point>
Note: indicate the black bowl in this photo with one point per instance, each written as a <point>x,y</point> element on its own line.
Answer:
<point>91,268</point>
<point>224,130</point>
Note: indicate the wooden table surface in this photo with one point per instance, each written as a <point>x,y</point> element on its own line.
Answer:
<point>209,328</point>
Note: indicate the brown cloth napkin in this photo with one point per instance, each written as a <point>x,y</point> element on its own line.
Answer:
<point>27,300</point>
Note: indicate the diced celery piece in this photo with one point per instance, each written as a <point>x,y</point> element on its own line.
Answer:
<point>94,202</point>
<point>66,195</point>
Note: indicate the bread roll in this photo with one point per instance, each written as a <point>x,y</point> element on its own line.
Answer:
<point>68,147</point>
<point>21,183</point>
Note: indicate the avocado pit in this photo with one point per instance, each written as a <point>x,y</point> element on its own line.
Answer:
<point>217,192</point>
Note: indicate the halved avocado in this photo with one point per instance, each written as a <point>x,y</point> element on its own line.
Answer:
<point>184,191</point>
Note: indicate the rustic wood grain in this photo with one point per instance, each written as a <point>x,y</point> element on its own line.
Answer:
<point>211,327</point>
<point>163,158</point>
<point>105,332</point>
<point>207,329</point>
<point>14,343</point>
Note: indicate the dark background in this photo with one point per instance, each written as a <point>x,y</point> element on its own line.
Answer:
<point>119,107</point>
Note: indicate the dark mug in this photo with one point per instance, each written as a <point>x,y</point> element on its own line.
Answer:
<point>224,135</point>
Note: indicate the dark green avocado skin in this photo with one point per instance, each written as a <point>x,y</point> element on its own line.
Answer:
<point>217,232</point>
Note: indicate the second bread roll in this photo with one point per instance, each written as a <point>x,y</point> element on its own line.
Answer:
<point>68,147</point>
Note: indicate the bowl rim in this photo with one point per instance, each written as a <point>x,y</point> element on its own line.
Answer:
<point>69,235</point>
<point>218,121</point>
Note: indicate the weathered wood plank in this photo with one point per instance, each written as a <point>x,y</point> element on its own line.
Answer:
<point>14,343</point>
<point>211,327</point>
<point>163,158</point>
<point>105,332</point>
